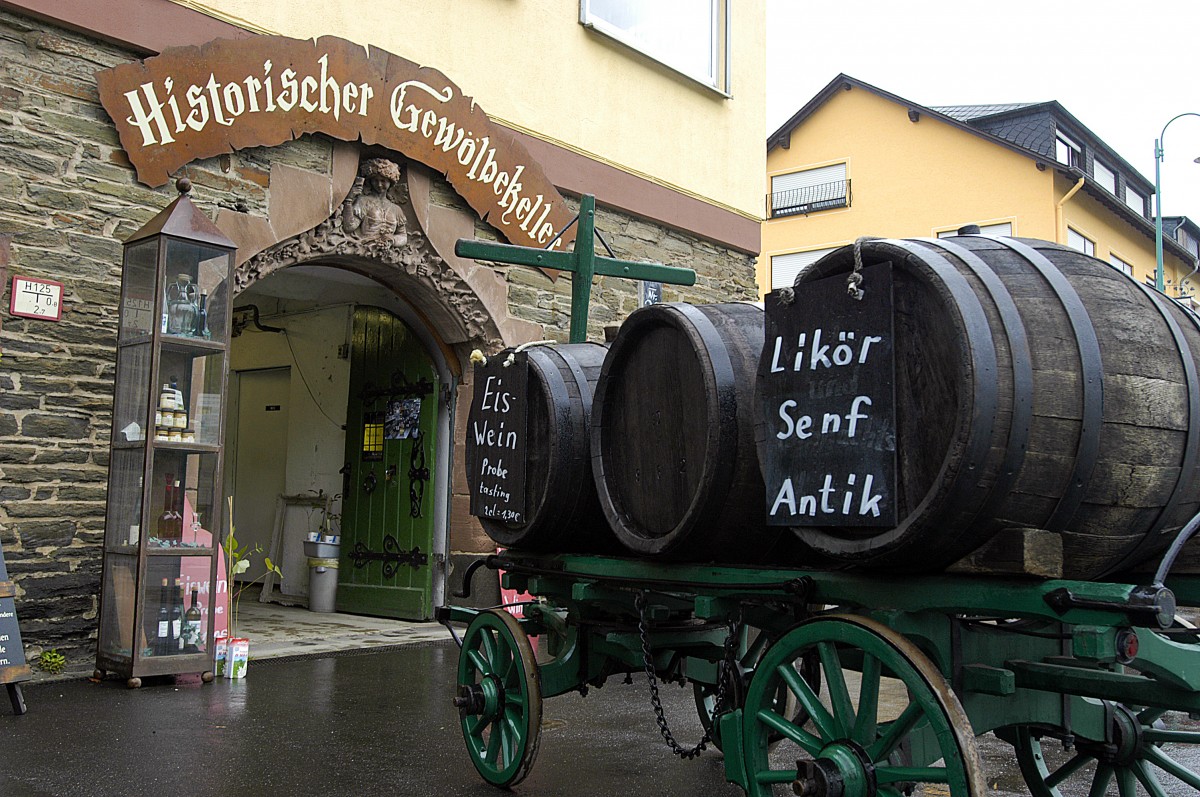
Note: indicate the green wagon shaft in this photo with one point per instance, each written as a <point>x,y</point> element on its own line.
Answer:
<point>1095,665</point>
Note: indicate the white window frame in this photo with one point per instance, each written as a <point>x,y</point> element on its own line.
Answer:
<point>1088,246</point>
<point>1109,178</point>
<point>793,264</point>
<point>717,77</point>
<point>1124,266</point>
<point>1074,152</point>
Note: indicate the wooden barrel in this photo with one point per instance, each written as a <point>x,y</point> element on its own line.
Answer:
<point>562,513</point>
<point>673,434</point>
<point>1036,387</point>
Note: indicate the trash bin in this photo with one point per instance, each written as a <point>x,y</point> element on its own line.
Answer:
<point>322,575</point>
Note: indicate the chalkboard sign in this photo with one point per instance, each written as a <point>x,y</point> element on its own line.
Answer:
<point>826,396</point>
<point>497,432</point>
<point>13,668</point>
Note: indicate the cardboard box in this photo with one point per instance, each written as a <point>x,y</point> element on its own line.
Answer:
<point>237,657</point>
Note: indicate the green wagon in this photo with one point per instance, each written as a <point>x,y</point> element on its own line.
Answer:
<point>797,673</point>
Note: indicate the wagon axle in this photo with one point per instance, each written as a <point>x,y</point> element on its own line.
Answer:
<point>843,770</point>
<point>485,698</point>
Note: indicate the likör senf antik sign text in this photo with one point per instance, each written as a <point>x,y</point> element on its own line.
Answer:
<point>827,404</point>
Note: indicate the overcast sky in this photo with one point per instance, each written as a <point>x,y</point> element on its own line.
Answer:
<point>1122,67</point>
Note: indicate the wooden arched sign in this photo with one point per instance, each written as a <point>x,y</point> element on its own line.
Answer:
<point>197,102</point>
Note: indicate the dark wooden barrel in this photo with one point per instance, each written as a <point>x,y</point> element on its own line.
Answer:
<point>673,433</point>
<point>1036,387</point>
<point>562,512</point>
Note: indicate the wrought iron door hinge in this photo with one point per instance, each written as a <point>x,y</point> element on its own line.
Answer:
<point>392,556</point>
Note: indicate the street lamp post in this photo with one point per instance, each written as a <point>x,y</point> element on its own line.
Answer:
<point>1159,273</point>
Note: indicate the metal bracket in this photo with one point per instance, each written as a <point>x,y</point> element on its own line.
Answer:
<point>392,556</point>
<point>1145,605</point>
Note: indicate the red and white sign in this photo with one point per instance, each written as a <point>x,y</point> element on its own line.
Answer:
<point>34,298</point>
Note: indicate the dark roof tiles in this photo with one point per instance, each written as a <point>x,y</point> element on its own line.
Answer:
<point>968,113</point>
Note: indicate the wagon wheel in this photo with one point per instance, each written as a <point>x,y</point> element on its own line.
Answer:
<point>750,652</point>
<point>499,698</point>
<point>850,744</point>
<point>1135,757</point>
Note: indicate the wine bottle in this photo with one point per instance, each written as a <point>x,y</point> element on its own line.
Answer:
<point>164,622</point>
<point>177,618</point>
<point>177,515</point>
<point>202,317</point>
<point>191,624</point>
<point>166,521</point>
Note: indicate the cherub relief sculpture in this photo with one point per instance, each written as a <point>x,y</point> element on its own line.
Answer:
<point>368,213</point>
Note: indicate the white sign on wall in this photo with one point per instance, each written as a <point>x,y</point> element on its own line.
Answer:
<point>35,298</point>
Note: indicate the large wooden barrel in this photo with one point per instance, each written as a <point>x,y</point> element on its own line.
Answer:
<point>1036,387</point>
<point>673,434</point>
<point>562,512</point>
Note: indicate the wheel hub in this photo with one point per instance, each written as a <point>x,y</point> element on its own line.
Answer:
<point>1126,738</point>
<point>843,769</point>
<point>485,698</point>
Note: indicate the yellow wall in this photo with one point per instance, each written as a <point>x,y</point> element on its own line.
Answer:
<point>917,179</point>
<point>530,64</point>
<point>1093,220</point>
<point>907,179</point>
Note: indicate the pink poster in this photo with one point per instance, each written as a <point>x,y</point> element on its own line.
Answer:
<point>194,572</point>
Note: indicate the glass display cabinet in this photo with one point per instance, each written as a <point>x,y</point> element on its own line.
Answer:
<point>163,582</point>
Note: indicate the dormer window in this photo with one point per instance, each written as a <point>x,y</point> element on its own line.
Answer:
<point>1066,150</point>
<point>1105,176</point>
<point>1135,199</point>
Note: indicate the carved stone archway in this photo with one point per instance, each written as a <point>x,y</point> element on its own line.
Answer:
<point>405,262</point>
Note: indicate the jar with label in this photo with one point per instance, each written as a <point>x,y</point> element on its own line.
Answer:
<point>180,420</point>
<point>158,421</point>
<point>189,436</point>
<point>168,419</point>
<point>166,400</point>
<point>175,436</point>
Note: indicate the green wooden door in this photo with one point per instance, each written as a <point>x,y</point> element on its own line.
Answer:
<point>387,506</point>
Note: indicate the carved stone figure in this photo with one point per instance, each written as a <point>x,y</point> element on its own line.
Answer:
<point>372,215</point>
<point>402,257</point>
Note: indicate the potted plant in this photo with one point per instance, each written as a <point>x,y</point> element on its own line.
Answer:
<point>233,653</point>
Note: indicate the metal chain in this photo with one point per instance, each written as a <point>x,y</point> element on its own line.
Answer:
<point>724,670</point>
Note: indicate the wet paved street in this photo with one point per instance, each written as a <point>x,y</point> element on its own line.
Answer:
<point>370,723</point>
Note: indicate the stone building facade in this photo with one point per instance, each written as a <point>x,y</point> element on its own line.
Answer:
<point>69,197</point>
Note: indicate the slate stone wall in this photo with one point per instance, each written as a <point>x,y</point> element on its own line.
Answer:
<point>68,196</point>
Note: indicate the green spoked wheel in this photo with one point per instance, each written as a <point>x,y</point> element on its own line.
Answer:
<point>499,698</point>
<point>1132,762</point>
<point>751,648</point>
<point>882,701</point>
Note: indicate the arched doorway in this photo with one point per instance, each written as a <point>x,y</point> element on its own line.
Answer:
<point>349,327</point>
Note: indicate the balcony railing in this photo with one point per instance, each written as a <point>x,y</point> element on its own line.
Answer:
<point>824,196</point>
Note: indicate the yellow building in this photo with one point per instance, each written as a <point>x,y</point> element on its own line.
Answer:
<point>857,160</point>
